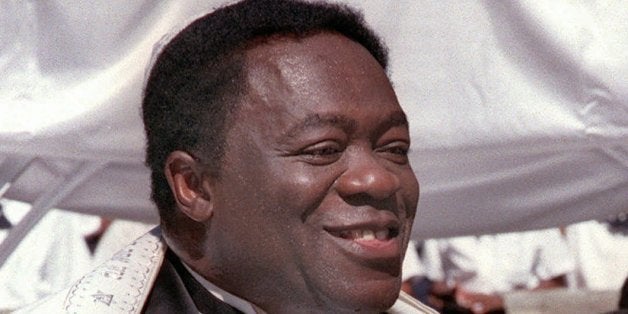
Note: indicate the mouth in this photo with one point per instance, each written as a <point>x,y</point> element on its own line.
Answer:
<point>369,241</point>
<point>367,234</point>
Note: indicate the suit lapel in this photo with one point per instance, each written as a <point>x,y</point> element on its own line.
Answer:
<point>176,291</point>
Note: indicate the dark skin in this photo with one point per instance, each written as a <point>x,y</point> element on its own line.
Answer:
<point>314,208</point>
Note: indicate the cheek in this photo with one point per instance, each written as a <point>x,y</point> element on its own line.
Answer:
<point>303,180</point>
<point>411,190</point>
<point>411,199</point>
<point>300,178</point>
<point>305,189</point>
<point>283,197</point>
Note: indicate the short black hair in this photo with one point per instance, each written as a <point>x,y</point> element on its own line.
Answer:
<point>198,77</point>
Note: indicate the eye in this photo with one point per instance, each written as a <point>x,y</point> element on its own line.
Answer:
<point>322,153</point>
<point>395,151</point>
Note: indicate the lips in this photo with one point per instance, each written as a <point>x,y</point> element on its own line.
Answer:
<point>374,239</point>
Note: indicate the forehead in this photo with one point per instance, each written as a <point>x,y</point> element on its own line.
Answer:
<point>320,72</point>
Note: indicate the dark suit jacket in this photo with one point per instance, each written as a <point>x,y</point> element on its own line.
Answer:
<point>176,291</point>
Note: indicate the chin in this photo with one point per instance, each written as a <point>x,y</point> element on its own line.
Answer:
<point>372,298</point>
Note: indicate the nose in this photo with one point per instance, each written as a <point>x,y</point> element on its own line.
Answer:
<point>366,175</point>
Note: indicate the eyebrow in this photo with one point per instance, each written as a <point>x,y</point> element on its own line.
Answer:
<point>349,125</point>
<point>394,119</point>
<point>316,120</point>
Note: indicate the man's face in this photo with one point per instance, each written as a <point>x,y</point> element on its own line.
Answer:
<point>316,198</point>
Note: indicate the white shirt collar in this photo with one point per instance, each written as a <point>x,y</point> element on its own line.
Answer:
<point>244,306</point>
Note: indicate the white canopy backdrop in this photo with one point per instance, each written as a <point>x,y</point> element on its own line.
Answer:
<point>518,109</point>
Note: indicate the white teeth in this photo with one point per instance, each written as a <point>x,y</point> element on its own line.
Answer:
<point>368,235</point>
<point>365,234</point>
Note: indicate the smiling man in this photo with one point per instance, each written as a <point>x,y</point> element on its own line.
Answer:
<point>279,163</point>
<point>313,199</point>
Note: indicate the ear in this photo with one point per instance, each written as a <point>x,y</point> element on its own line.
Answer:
<point>185,177</point>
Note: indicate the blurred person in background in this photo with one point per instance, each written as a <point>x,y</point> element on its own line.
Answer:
<point>51,257</point>
<point>601,252</point>
<point>471,274</point>
<point>415,281</point>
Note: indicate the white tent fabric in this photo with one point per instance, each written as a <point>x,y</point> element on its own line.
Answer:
<point>518,109</point>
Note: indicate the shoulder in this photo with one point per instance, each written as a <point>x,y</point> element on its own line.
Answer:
<point>119,285</point>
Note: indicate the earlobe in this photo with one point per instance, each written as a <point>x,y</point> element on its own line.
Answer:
<point>185,178</point>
